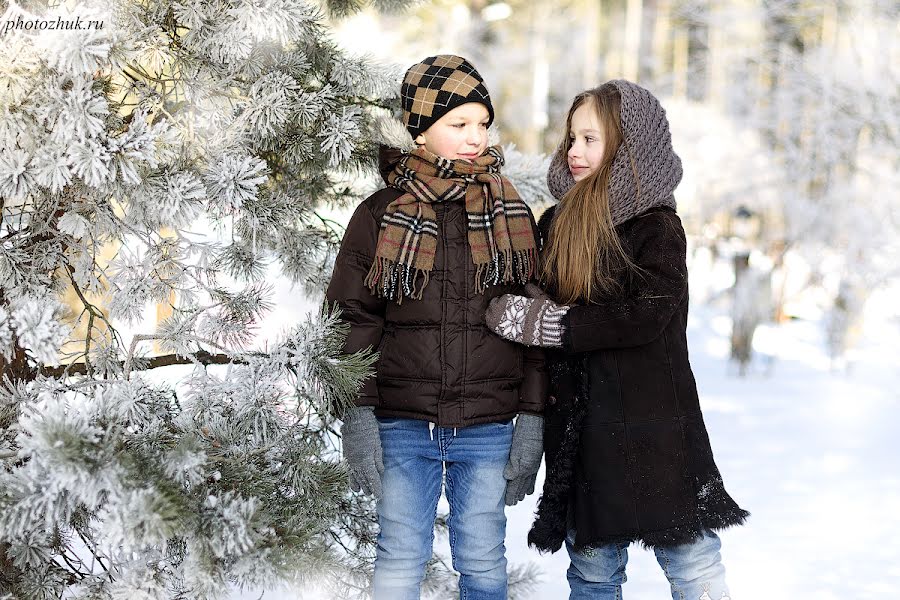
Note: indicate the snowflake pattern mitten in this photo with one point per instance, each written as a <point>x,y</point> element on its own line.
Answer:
<point>529,321</point>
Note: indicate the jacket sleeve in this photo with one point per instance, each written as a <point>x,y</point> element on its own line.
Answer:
<point>660,251</point>
<point>360,309</point>
<point>534,389</point>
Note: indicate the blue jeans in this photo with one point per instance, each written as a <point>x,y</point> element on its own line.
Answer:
<point>414,461</point>
<point>692,570</point>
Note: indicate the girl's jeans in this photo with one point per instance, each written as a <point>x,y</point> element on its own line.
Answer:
<point>694,570</point>
<point>414,461</point>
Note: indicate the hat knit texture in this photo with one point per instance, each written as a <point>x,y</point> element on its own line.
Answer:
<point>645,132</point>
<point>437,85</point>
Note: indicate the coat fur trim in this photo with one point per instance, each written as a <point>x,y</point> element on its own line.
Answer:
<point>549,529</point>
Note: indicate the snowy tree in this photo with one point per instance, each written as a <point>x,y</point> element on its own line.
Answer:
<point>174,154</point>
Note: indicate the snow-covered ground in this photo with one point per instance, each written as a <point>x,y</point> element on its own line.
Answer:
<point>810,453</point>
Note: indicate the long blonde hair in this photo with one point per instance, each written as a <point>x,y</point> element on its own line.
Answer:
<point>584,252</point>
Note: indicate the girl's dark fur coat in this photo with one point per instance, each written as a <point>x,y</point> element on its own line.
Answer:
<point>628,456</point>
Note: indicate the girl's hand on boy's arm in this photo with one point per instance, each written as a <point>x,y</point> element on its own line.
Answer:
<point>535,321</point>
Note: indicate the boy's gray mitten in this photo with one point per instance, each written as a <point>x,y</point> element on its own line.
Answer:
<point>534,321</point>
<point>524,457</point>
<point>362,450</point>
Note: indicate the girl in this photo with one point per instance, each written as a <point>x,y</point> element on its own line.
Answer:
<point>418,264</point>
<point>628,457</point>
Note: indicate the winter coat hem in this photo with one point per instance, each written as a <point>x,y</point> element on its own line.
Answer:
<point>545,537</point>
<point>418,416</point>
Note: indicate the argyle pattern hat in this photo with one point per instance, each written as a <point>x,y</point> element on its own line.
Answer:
<point>437,85</point>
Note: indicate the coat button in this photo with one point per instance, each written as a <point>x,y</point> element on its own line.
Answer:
<point>551,400</point>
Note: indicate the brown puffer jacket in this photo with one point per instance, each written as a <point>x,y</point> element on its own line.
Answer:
<point>438,360</point>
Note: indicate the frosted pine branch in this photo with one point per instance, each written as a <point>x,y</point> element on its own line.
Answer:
<point>170,159</point>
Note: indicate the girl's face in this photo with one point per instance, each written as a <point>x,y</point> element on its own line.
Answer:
<point>459,134</point>
<point>586,141</point>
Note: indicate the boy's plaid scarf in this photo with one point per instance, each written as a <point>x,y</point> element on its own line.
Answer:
<point>499,222</point>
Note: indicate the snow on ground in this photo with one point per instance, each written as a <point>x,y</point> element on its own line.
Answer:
<point>810,453</point>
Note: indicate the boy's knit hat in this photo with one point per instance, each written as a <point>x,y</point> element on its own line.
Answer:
<point>437,85</point>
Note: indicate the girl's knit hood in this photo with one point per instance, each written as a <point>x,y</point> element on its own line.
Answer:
<point>645,133</point>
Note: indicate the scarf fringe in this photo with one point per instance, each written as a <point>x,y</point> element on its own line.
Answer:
<point>509,266</point>
<point>395,281</point>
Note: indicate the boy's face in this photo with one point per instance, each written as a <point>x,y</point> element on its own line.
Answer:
<point>586,141</point>
<point>459,134</point>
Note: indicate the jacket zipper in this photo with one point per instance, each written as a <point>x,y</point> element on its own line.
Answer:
<point>441,394</point>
